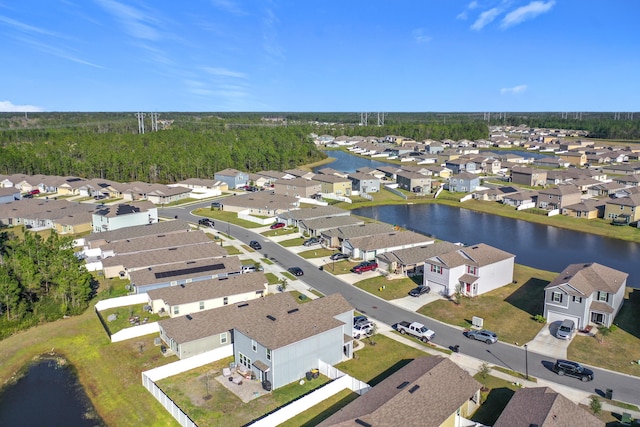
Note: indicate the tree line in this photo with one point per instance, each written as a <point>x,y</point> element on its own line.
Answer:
<point>40,280</point>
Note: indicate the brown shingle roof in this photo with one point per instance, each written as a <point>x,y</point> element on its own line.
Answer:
<point>140,231</point>
<point>155,275</point>
<point>585,279</point>
<point>478,255</point>
<point>163,256</point>
<point>157,241</point>
<point>389,240</point>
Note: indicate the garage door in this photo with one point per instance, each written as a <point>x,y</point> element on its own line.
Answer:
<point>553,316</point>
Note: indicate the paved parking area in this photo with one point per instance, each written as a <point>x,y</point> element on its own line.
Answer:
<point>546,342</point>
<point>414,303</point>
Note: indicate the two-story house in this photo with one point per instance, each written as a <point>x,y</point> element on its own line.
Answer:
<point>124,215</point>
<point>463,182</point>
<point>627,208</point>
<point>364,183</point>
<point>414,182</point>
<point>585,293</point>
<point>528,176</point>
<point>558,197</point>
<point>297,187</point>
<point>232,177</point>
<point>334,184</point>
<point>471,270</point>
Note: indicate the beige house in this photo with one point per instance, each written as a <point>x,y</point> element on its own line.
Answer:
<point>574,157</point>
<point>207,294</point>
<point>624,209</point>
<point>333,184</point>
<point>297,187</point>
<point>558,197</point>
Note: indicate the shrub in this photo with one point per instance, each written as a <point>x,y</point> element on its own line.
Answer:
<point>540,318</point>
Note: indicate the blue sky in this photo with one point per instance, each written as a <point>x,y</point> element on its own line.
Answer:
<point>299,55</point>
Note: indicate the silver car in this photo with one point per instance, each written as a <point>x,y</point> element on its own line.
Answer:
<point>483,335</point>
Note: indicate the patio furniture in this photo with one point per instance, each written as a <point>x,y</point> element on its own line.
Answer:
<point>237,380</point>
<point>226,372</point>
<point>625,419</point>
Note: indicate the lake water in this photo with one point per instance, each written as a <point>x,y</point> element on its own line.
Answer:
<point>349,163</point>
<point>49,395</point>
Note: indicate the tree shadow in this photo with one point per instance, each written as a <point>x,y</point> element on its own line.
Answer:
<point>493,406</point>
<point>627,318</point>
<point>529,297</point>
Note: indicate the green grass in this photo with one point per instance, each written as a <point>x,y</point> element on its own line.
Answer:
<point>514,373</point>
<point>426,345</point>
<point>280,232</point>
<point>272,278</point>
<point>393,289</point>
<point>619,404</point>
<point>232,250</point>
<point>318,252</point>
<point>266,261</point>
<point>374,363</point>
<point>508,311</point>
<point>494,399</point>
<point>231,217</point>
<point>340,267</point>
<point>123,314</point>
<point>313,416</point>
<point>291,242</point>
<point>316,293</point>
<point>300,297</point>
<point>289,275</point>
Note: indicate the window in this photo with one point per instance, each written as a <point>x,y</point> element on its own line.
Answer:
<point>223,338</point>
<point>603,296</point>
<point>436,269</point>
<point>268,354</point>
<point>472,270</point>
<point>244,360</point>
<point>176,309</point>
<point>254,346</point>
<point>201,305</point>
<point>225,301</point>
<point>577,299</point>
<point>556,297</point>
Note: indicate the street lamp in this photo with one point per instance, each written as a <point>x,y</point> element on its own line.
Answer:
<point>526,362</point>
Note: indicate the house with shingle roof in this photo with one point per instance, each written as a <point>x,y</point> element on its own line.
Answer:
<point>260,202</point>
<point>297,187</point>
<point>232,177</point>
<point>558,197</point>
<point>293,217</point>
<point>414,182</point>
<point>586,209</point>
<point>473,270</point>
<point>464,182</point>
<point>274,337</point>
<point>364,183</point>
<point>589,293</point>
<point>334,237</point>
<point>543,407</point>
<point>429,391</point>
<point>208,294</point>
<point>627,208</point>
<point>411,261</point>
<point>314,227</point>
<point>122,215</point>
<point>628,180</point>
<point>96,240</point>
<point>367,247</point>
<point>520,198</point>
<point>334,184</point>
<point>528,176</point>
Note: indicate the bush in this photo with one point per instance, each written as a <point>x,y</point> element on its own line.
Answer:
<point>540,318</point>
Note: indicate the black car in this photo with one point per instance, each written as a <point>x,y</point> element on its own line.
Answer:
<point>338,256</point>
<point>296,271</point>
<point>572,369</point>
<point>420,290</point>
<point>360,319</point>
<point>312,241</point>
<point>206,222</point>
<point>256,246</point>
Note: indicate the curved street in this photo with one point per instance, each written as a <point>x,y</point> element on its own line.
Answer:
<point>626,388</point>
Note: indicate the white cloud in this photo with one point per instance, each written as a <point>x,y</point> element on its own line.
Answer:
<point>527,12</point>
<point>26,28</point>
<point>485,18</point>
<point>513,90</point>
<point>135,22</point>
<point>419,36</point>
<point>9,107</point>
<point>224,72</point>
<point>463,15</point>
<point>229,6</point>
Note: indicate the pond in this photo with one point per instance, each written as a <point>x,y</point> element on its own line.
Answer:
<point>48,395</point>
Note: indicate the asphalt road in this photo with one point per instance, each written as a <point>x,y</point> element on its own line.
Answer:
<point>625,387</point>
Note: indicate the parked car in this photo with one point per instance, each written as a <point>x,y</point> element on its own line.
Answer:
<point>360,319</point>
<point>207,222</point>
<point>483,335</point>
<point>277,225</point>
<point>338,256</point>
<point>34,192</point>
<point>420,290</point>
<point>566,329</point>
<point>572,369</point>
<point>312,241</point>
<point>363,329</point>
<point>256,246</point>
<point>415,329</point>
<point>296,271</point>
<point>365,266</point>
<point>248,269</point>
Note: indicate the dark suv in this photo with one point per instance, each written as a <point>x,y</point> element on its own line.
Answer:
<point>365,266</point>
<point>206,222</point>
<point>256,246</point>
<point>573,369</point>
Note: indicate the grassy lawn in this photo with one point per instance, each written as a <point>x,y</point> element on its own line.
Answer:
<point>232,250</point>
<point>340,267</point>
<point>424,344</point>
<point>223,408</point>
<point>318,252</point>
<point>300,297</point>
<point>322,411</point>
<point>289,276</point>
<point>393,289</point>
<point>272,278</point>
<point>494,399</point>
<point>508,311</point>
<point>621,348</point>
<point>280,232</point>
<point>374,363</point>
<point>266,261</point>
<point>291,242</point>
<point>123,314</point>
<point>231,217</point>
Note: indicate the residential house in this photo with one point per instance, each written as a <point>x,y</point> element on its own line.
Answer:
<point>201,185</point>
<point>574,158</point>
<point>461,164</point>
<point>411,261</point>
<point>428,391</point>
<point>334,237</point>
<point>260,202</point>
<point>314,227</point>
<point>628,180</point>
<point>299,173</point>
<point>274,337</point>
<point>605,189</point>
<point>367,247</point>
<point>293,217</point>
<point>110,217</point>
<point>232,177</point>
<point>558,197</point>
<point>390,171</point>
<point>371,171</point>
<point>414,182</point>
<point>9,194</point>
<point>521,198</point>
<point>164,194</point>
<point>487,164</point>
<point>364,183</point>
<point>627,208</point>
<point>333,184</point>
<point>528,176</point>
<point>586,209</point>
<point>588,293</point>
<point>495,194</point>
<point>544,407</point>
<point>330,171</point>
<point>97,240</point>
<point>463,183</point>
<point>208,294</point>
<point>473,270</point>
<point>298,187</point>
<point>622,169</point>
<point>551,162</point>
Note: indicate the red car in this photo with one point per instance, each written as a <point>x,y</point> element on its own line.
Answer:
<point>277,225</point>
<point>365,266</point>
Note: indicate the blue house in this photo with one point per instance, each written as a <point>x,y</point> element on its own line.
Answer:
<point>364,183</point>
<point>464,183</point>
<point>9,194</point>
<point>232,177</point>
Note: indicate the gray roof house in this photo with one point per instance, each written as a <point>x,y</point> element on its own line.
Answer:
<point>585,293</point>
<point>364,183</point>
<point>232,177</point>
<point>124,215</point>
<point>183,272</point>
<point>9,194</point>
<point>314,227</point>
<point>429,391</point>
<point>208,294</point>
<point>558,197</point>
<point>474,270</point>
<point>297,187</point>
<point>411,260</point>
<point>274,337</point>
<point>333,237</point>
<point>463,182</point>
<point>259,202</point>
<point>293,217</point>
<point>528,176</point>
<point>414,182</point>
<point>96,240</point>
<point>543,407</point>
<point>367,247</point>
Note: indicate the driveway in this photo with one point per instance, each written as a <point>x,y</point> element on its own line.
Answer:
<point>546,342</point>
<point>414,303</point>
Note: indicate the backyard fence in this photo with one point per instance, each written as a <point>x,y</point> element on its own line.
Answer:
<point>167,403</point>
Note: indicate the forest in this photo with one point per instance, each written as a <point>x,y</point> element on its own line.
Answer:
<point>41,280</point>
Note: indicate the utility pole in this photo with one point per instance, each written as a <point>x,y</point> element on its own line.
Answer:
<point>140,117</point>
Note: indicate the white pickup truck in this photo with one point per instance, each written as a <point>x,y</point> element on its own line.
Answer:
<point>416,329</point>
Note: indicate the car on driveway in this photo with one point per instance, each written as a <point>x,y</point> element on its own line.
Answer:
<point>420,290</point>
<point>206,222</point>
<point>277,225</point>
<point>296,271</point>
<point>572,369</point>
<point>256,246</point>
<point>365,266</point>
<point>359,319</point>
<point>338,256</point>
<point>483,335</point>
<point>363,329</point>
<point>312,241</point>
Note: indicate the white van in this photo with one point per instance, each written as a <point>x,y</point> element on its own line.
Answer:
<point>566,329</point>
<point>248,269</point>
